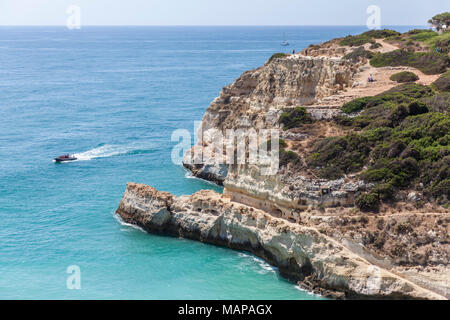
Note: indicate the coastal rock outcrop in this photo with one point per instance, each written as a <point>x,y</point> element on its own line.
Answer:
<point>258,95</point>
<point>301,253</point>
<point>258,98</point>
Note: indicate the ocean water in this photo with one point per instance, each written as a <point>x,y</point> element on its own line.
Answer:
<point>113,96</point>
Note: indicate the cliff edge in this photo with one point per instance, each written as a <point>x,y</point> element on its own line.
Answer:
<point>301,253</point>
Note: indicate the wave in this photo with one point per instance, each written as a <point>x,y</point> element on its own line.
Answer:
<point>263,266</point>
<point>299,288</point>
<point>125,224</point>
<point>110,150</point>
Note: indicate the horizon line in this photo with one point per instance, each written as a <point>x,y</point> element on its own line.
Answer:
<point>213,25</point>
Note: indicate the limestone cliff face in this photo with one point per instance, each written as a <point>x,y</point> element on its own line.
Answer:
<point>287,193</point>
<point>301,253</point>
<point>258,97</point>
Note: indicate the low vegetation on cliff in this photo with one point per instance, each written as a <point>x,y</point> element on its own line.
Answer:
<point>398,141</point>
<point>443,83</point>
<point>422,40</point>
<point>406,93</point>
<point>424,49</point>
<point>359,54</point>
<point>295,118</point>
<point>404,76</point>
<point>427,62</point>
<point>286,157</point>
<point>367,37</point>
<point>277,56</point>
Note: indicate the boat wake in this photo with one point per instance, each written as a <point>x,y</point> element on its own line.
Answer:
<point>110,150</point>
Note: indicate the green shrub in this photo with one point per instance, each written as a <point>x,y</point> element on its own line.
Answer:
<point>416,108</point>
<point>295,118</point>
<point>404,76</point>
<point>358,54</point>
<point>277,56</point>
<point>438,103</point>
<point>368,202</point>
<point>442,45</point>
<point>281,144</point>
<point>384,191</point>
<point>410,90</point>
<point>376,45</point>
<point>337,155</point>
<point>422,35</point>
<point>415,31</point>
<point>402,141</point>
<point>381,34</point>
<point>416,146</point>
<point>397,114</point>
<point>431,39</point>
<point>441,188</point>
<point>433,125</point>
<point>443,82</point>
<point>355,105</point>
<point>405,93</point>
<point>367,37</point>
<point>427,62</point>
<point>376,175</point>
<point>354,41</point>
<point>287,157</point>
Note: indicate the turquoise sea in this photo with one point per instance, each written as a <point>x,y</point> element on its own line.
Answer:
<point>113,96</point>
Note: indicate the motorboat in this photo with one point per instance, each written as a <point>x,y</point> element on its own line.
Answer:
<point>65,158</point>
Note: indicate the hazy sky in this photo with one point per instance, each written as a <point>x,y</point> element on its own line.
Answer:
<point>219,12</point>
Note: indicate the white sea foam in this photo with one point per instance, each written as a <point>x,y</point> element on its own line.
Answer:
<point>306,291</point>
<point>264,266</point>
<point>125,224</point>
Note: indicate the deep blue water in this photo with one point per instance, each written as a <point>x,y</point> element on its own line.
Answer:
<point>113,96</point>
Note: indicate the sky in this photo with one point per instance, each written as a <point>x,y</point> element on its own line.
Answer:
<point>219,12</point>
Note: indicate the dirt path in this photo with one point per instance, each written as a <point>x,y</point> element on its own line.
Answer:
<point>361,87</point>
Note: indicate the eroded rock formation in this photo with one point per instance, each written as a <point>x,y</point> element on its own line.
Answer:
<point>258,97</point>
<point>301,253</point>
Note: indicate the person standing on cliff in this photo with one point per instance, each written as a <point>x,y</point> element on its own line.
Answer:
<point>293,51</point>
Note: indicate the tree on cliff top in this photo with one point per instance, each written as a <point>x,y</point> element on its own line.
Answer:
<point>440,21</point>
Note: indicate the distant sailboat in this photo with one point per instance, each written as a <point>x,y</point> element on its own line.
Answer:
<point>285,42</point>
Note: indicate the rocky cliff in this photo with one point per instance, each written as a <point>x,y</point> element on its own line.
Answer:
<point>301,253</point>
<point>258,98</point>
<point>300,219</point>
